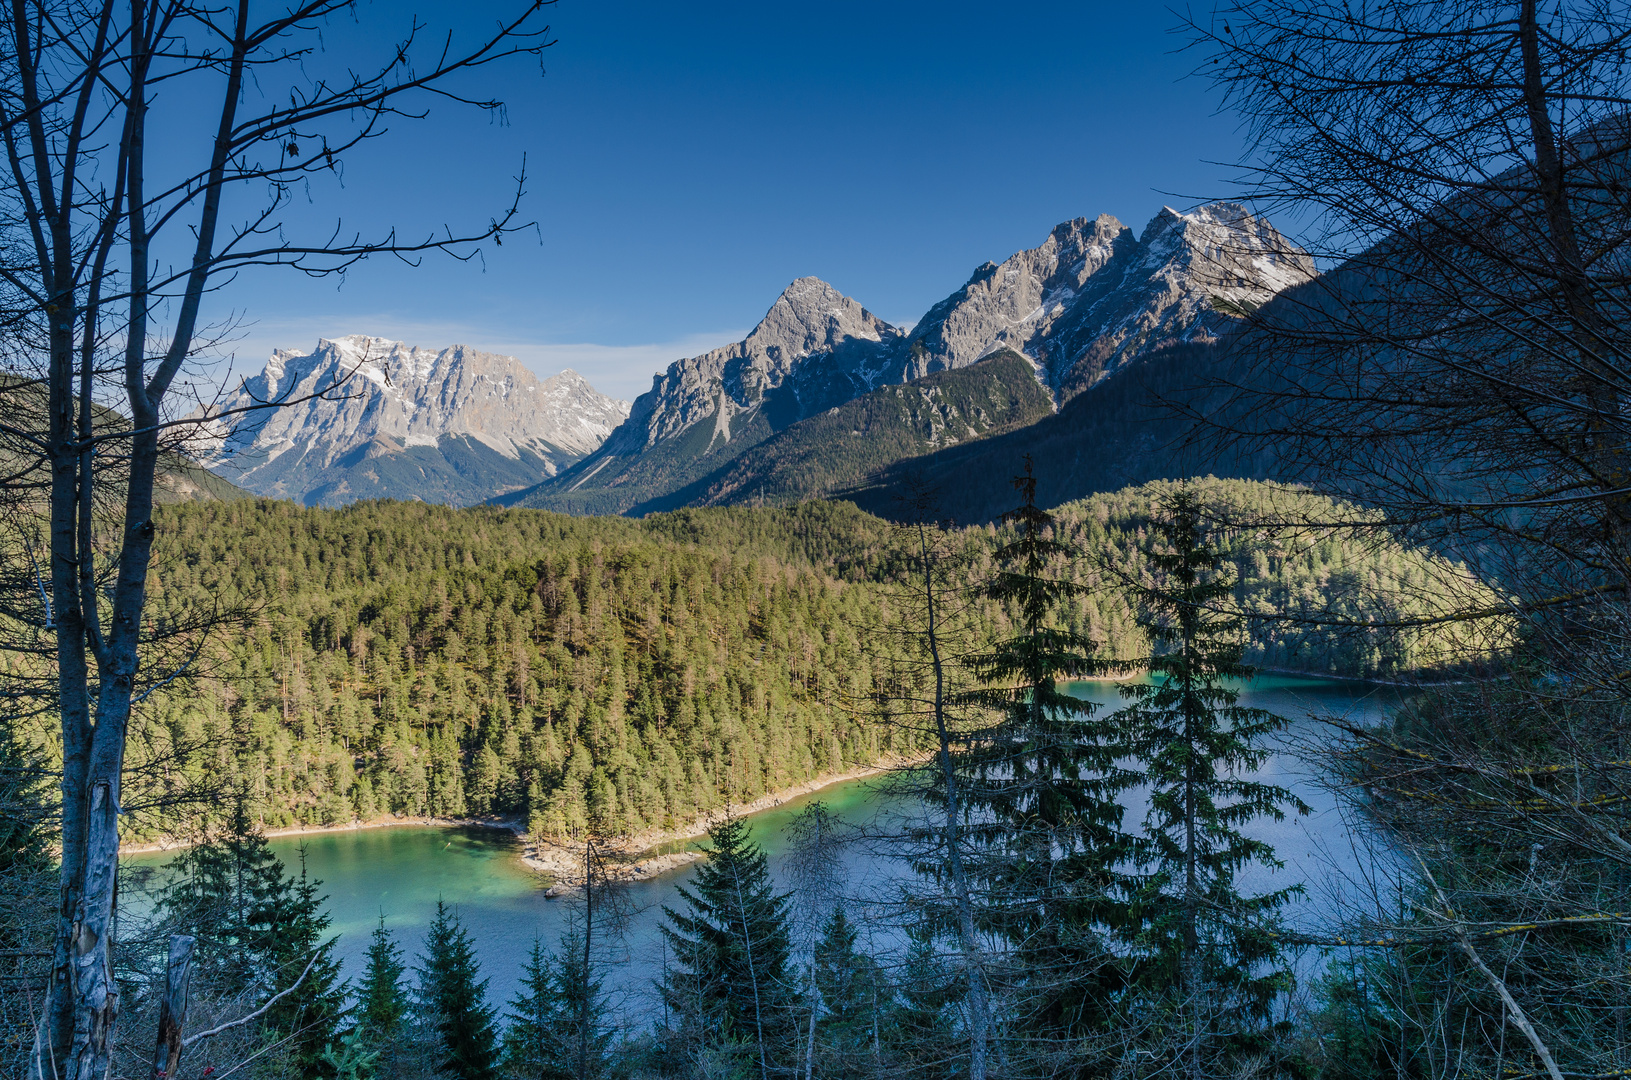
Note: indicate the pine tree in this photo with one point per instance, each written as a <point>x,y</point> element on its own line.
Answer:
<point>382,999</point>
<point>1194,930</point>
<point>451,999</point>
<point>731,983</point>
<point>555,1030</point>
<point>1043,791</point>
<point>310,1016</point>
<point>852,996</point>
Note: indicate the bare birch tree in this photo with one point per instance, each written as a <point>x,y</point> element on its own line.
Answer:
<point>95,211</point>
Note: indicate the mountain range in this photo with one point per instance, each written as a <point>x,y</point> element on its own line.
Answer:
<point>367,418</point>
<point>1086,304</point>
<point>822,398</point>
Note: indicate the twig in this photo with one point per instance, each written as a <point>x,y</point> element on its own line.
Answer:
<point>258,1013</point>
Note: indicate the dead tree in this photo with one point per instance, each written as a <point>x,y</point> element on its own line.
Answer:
<point>92,218</point>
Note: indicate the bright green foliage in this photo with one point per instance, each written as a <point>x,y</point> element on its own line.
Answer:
<point>1201,943</point>
<point>854,996</point>
<point>350,1058</point>
<point>1042,791</point>
<point>310,1016</point>
<point>382,998</point>
<point>730,983</point>
<point>451,999</point>
<point>556,1030</point>
<point>422,660</point>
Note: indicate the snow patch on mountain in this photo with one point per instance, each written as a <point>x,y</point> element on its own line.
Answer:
<point>359,391</point>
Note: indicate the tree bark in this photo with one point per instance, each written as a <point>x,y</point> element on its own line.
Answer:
<point>173,1009</point>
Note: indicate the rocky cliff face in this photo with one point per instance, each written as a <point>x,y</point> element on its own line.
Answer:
<point>814,348</point>
<point>1081,306</point>
<point>373,418</point>
<point>1094,296</point>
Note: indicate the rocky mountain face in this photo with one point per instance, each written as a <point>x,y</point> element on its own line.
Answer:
<point>843,446</point>
<point>1087,302</point>
<point>814,349</point>
<point>372,418</point>
<point>1094,297</point>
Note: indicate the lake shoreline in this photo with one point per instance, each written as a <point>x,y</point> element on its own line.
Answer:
<point>632,854</point>
<point>635,858</point>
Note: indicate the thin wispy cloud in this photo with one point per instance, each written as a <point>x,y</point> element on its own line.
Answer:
<point>623,371</point>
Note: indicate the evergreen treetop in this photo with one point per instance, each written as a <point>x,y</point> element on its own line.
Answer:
<point>451,999</point>
<point>731,974</point>
<point>382,998</point>
<point>1193,929</point>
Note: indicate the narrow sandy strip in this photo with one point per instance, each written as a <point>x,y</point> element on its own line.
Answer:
<point>632,857</point>
<point>564,860</point>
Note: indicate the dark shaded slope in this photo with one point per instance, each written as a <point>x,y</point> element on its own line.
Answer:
<point>27,474</point>
<point>848,443</point>
<point>609,483</point>
<point>1129,429</point>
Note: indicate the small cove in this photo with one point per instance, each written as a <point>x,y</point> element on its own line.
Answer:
<point>403,871</point>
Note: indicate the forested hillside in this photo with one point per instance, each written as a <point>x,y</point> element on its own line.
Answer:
<point>844,445</point>
<point>414,659</point>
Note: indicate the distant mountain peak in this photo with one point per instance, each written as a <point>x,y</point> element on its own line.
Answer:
<point>810,317</point>
<point>1092,298</point>
<point>359,399</point>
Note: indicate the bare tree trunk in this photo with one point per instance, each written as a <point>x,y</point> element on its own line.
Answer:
<point>74,107</point>
<point>173,1009</point>
<point>973,961</point>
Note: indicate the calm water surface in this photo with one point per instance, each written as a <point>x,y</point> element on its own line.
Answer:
<point>403,872</point>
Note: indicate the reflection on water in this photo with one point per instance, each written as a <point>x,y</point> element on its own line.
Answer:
<point>402,872</point>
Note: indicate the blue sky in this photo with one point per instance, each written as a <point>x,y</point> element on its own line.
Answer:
<point>686,161</point>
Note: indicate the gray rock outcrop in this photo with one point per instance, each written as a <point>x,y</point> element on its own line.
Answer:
<point>368,417</point>
<point>1094,296</point>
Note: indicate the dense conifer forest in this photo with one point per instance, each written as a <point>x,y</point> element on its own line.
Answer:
<point>402,658</point>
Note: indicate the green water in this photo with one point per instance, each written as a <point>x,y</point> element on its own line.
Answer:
<point>402,872</point>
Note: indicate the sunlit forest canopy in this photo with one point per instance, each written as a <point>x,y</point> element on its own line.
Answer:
<point>403,658</point>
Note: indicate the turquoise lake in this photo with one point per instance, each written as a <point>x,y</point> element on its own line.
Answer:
<point>402,872</point>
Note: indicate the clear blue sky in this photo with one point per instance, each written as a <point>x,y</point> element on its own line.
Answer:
<point>687,161</point>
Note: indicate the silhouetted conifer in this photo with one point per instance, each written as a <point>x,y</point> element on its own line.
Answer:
<point>1203,946</point>
<point>451,999</point>
<point>730,983</point>
<point>546,1037</point>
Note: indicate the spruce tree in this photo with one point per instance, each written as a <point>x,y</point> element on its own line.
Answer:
<point>227,891</point>
<point>731,985</point>
<point>1195,932</point>
<point>555,1031</point>
<point>852,999</point>
<point>310,1016</point>
<point>1042,790</point>
<point>382,998</point>
<point>919,1037</point>
<point>451,999</point>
